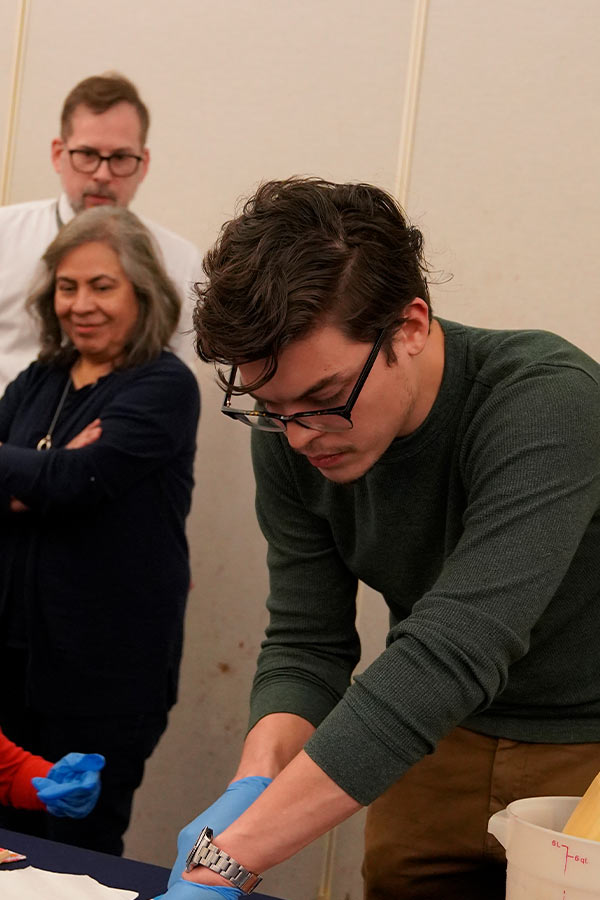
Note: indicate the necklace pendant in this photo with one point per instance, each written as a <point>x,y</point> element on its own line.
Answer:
<point>45,443</point>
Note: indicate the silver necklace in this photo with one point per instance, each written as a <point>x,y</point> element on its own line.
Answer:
<point>45,443</point>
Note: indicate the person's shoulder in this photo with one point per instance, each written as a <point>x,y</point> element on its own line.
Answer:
<point>496,356</point>
<point>26,229</point>
<point>170,362</point>
<point>16,213</point>
<point>168,368</point>
<point>176,250</point>
<point>36,371</point>
<point>32,379</point>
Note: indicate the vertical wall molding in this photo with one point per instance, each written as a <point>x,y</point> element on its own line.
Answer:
<point>328,865</point>
<point>410,106</point>
<point>16,78</point>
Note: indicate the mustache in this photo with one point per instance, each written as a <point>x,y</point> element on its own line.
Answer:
<point>99,191</point>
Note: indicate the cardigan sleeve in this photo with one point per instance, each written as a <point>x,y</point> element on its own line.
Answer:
<point>17,768</point>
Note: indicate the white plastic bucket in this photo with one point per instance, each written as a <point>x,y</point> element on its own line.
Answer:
<point>543,863</point>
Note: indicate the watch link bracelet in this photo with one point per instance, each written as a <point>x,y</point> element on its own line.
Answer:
<point>204,853</point>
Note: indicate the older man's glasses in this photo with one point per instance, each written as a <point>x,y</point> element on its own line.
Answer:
<point>337,418</point>
<point>121,165</point>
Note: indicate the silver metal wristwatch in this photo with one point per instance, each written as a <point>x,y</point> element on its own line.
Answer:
<point>204,853</point>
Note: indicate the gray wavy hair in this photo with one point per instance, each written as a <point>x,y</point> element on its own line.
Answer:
<point>140,258</point>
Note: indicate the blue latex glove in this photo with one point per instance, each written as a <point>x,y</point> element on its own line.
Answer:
<point>230,805</point>
<point>187,890</point>
<point>72,786</point>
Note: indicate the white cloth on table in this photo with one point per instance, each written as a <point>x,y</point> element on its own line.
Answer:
<point>23,884</point>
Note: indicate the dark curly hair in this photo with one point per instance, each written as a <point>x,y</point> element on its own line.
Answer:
<point>305,251</point>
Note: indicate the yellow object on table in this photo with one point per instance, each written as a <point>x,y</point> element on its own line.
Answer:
<point>584,821</point>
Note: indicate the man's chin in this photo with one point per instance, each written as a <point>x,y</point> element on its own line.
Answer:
<point>347,474</point>
<point>355,467</point>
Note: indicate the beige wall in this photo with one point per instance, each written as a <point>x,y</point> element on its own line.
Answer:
<point>504,183</point>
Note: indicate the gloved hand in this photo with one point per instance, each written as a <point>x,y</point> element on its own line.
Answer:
<point>187,890</point>
<point>230,805</point>
<point>72,786</point>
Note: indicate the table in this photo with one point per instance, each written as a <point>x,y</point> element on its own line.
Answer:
<point>114,871</point>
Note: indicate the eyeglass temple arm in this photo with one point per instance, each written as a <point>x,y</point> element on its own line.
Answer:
<point>366,370</point>
<point>230,385</point>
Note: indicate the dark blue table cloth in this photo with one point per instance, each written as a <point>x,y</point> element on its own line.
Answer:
<point>114,871</point>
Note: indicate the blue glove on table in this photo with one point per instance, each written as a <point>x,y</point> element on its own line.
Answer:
<point>72,786</point>
<point>187,890</point>
<point>230,805</point>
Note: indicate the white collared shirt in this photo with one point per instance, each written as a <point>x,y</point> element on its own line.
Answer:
<point>26,229</point>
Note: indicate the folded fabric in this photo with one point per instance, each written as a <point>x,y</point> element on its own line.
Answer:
<point>24,884</point>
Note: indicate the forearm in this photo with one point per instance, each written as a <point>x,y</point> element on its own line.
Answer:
<point>299,806</point>
<point>272,744</point>
<point>75,478</point>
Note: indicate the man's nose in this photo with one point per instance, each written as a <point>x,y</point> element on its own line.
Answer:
<point>103,172</point>
<point>299,437</point>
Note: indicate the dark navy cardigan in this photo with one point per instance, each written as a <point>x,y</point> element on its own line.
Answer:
<point>96,571</point>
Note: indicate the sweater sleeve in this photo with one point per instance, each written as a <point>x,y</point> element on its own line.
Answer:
<point>311,644</point>
<point>17,768</point>
<point>144,425</point>
<point>531,469</point>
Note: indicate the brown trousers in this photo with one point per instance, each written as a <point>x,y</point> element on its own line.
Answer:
<point>426,837</point>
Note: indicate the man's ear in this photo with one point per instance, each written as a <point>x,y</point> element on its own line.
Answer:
<point>145,162</point>
<point>415,330</point>
<point>56,149</point>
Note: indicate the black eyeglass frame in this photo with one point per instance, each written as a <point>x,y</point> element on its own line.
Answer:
<point>108,159</point>
<point>343,411</point>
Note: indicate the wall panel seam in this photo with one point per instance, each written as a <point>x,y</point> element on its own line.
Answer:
<point>416,52</point>
<point>21,24</point>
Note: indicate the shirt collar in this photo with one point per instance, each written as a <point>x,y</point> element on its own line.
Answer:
<point>65,212</point>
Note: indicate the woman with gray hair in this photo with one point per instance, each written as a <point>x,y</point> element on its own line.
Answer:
<point>96,474</point>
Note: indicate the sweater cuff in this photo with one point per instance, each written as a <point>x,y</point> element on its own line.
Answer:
<point>278,697</point>
<point>346,749</point>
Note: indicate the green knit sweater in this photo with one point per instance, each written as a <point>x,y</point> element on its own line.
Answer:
<point>482,532</point>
